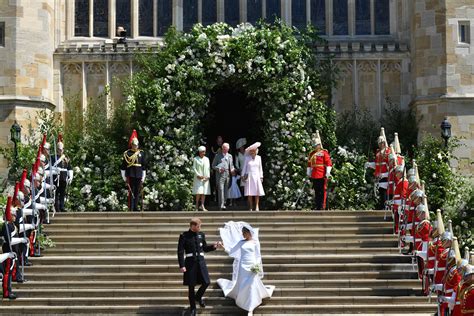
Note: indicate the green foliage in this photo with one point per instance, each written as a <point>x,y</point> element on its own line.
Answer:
<point>446,189</point>
<point>94,143</point>
<point>358,129</point>
<point>49,123</point>
<point>169,99</point>
<point>349,188</point>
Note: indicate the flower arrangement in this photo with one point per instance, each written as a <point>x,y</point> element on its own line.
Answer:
<point>256,268</point>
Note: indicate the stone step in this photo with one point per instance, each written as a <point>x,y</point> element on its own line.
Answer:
<point>213,237</point>
<point>418,309</point>
<point>179,227</point>
<point>227,214</point>
<point>144,284</point>
<point>132,275</point>
<point>223,259</point>
<point>175,231</point>
<point>297,250</point>
<point>365,245</point>
<point>309,268</point>
<point>181,292</point>
<point>213,301</point>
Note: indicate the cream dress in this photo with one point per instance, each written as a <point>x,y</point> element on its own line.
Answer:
<point>201,167</point>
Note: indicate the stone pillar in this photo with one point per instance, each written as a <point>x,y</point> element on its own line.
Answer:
<point>26,74</point>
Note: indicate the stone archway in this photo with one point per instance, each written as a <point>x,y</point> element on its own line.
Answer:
<point>272,65</point>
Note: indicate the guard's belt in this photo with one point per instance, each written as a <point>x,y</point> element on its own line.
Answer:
<point>192,254</point>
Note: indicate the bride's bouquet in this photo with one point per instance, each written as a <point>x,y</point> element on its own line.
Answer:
<point>256,268</point>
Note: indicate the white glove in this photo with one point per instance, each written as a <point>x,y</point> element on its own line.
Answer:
<point>70,176</point>
<point>122,172</point>
<point>24,240</point>
<point>328,172</point>
<point>11,255</point>
<point>309,170</point>
<point>143,176</point>
<point>369,165</point>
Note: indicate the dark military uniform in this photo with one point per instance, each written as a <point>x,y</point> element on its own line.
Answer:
<point>191,249</point>
<point>60,180</point>
<point>134,164</point>
<point>9,264</point>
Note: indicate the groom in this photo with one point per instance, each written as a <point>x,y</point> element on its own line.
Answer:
<point>191,247</point>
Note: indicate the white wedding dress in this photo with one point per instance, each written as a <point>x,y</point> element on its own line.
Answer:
<point>246,287</point>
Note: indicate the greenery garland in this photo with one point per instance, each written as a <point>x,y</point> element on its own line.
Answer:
<point>274,64</point>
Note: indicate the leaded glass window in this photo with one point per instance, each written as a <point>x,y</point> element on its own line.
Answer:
<point>231,12</point>
<point>318,15</point>
<point>101,18</point>
<point>254,11</point>
<point>165,13</point>
<point>362,11</point>
<point>298,13</point>
<point>123,15</point>
<point>340,17</point>
<point>145,18</point>
<point>382,17</point>
<point>81,18</point>
<point>273,10</point>
<point>190,14</point>
<point>209,12</point>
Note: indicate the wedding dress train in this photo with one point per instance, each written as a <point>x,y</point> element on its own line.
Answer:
<point>246,286</point>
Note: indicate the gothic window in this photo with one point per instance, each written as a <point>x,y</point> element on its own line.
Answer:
<point>232,12</point>
<point>123,14</point>
<point>145,18</point>
<point>190,14</point>
<point>298,13</point>
<point>165,13</point>
<point>101,18</point>
<point>340,18</point>
<point>81,18</point>
<point>362,20</point>
<point>254,11</point>
<point>209,12</point>
<point>464,32</point>
<point>2,34</point>
<point>318,15</point>
<point>382,17</point>
<point>273,10</point>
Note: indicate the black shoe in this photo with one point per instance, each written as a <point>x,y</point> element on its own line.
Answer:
<point>201,302</point>
<point>192,312</point>
<point>28,264</point>
<point>11,296</point>
<point>22,281</point>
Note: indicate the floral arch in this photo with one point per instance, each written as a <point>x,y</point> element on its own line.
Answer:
<point>274,64</point>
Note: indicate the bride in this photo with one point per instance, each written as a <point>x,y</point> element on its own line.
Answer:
<point>246,286</point>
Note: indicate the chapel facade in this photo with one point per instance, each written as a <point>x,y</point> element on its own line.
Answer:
<point>411,53</point>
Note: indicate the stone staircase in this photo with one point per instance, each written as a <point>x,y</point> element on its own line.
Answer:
<point>334,262</point>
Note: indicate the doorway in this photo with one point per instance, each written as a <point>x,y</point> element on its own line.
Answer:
<point>232,115</point>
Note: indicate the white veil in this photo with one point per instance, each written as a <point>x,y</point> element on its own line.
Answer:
<point>231,235</point>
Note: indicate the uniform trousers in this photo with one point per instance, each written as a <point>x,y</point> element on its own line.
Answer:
<point>318,186</point>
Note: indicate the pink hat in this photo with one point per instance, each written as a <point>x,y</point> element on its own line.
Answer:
<point>253,146</point>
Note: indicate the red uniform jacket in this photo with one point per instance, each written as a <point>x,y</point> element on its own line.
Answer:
<point>441,258</point>
<point>319,161</point>
<point>400,191</point>
<point>391,174</point>
<point>466,298</point>
<point>422,233</point>
<point>381,163</point>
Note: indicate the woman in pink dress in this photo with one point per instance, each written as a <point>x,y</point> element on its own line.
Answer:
<point>252,174</point>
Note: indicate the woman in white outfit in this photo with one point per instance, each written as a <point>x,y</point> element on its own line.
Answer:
<point>246,286</point>
<point>201,170</point>
<point>252,174</point>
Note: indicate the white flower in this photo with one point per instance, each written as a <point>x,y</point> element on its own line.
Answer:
<point>178,94</point>
<point>86,189</point>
